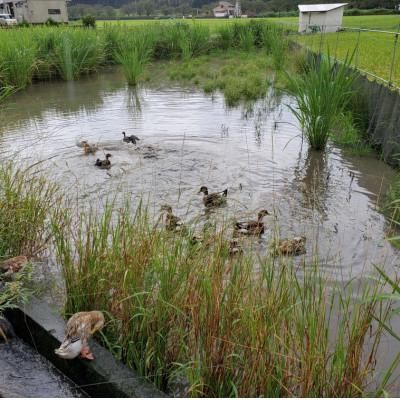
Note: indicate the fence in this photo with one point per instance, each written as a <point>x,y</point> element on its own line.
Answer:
<point>375,52</point>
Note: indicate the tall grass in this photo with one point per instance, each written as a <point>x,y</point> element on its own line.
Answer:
<point>76,53</point>
<point>186,314</point>
<point>322,93</point>
<point>17,59</point>
<point>26,201</point>
<point>133,53</point>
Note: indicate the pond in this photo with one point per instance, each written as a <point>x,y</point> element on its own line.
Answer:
<point>189,139</point>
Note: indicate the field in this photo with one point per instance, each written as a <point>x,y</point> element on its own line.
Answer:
<point>193,309</point>
<point>374,53</point>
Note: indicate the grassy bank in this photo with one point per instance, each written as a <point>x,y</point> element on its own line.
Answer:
<point>190,317</point>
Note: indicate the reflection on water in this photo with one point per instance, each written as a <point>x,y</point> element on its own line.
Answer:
<point>189,140</point>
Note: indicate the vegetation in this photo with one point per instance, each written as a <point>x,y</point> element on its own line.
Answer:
<point>184,312</point>
<point>25,203</point>
<point>89,21</point>
<point>321,94</point>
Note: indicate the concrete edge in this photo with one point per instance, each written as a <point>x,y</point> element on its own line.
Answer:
<point>38,325</point>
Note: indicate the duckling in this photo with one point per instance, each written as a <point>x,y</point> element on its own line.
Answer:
<point>77,332</point>
<point>172,222</point>
<point>292,247</point>
<point>235,248</point>
<point>213,199</point>
<point>104,164</point>
<point>89,148</point>
<point>252,227</point>
<point>130,139</point>
<point>13,265</point>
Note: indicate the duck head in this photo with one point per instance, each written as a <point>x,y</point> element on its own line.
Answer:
<point>108,155</point>
<point>167,208</point>
<point>124,134</point>
<point>263,213</point>
<point>204,190</point>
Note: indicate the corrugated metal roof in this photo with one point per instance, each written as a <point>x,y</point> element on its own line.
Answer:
<point>320,7</point>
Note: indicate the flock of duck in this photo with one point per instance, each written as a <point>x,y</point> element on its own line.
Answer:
<point>84,324</point>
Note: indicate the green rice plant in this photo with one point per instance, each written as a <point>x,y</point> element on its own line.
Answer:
<point>26,201</point>
<point>77,52</point>
<point>17,58</point>
<point>276,44</point>
<point>224,39</point>
<point>133,54</point>
<point>321,95</point>
<point>184,312</point>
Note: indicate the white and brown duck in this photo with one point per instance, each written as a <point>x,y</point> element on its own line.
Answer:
<point>77,332</point>
<point>252,227</point>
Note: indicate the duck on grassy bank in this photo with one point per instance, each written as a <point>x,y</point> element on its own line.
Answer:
<point>77,332</point>
<point>213,199</point>
<point>252,227</point>
<point>104,164</point>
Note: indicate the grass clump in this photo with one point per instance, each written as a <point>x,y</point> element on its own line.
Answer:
<point>77,52</point>
<point>183,310</point>
<point>322,94</point>
<point>26,201</point>
<point>133,54</point>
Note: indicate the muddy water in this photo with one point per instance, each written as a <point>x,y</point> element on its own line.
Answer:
<point>188,140</point>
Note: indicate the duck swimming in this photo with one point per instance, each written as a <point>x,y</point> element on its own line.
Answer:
<point>104,164</point>
<point>172,222</point>
<point>89,148</point>
<point>77,332</point>
<point>213,199</point>
<point>130,139</point>
<point>252,227</point>
<point>292,247</point>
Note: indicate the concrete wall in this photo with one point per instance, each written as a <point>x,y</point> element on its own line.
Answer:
<point>39,11</point>
<point>329,21</point>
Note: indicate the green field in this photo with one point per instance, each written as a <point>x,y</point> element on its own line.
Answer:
<point>375,50</point>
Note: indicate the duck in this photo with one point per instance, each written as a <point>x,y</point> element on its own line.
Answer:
<point>235,248</point>
<point>252,227</point>
<point>172,222</point>
<point>130,139</point>
<point>292,247</point>
<point>104,164</point>
<point>13,265</point>
<point>77,332</point>
<point>89,148</point>
<point>213,199</point>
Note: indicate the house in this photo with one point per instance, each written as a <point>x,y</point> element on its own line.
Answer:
<point>224,10</point>
<point>35,11</point>
<point>320,17</point>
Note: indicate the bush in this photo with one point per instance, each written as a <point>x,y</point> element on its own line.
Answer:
<point>51,22</point>
<point>89,21</point>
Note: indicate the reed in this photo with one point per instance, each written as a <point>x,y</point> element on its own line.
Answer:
<point>26,201</point>
<point>134,52</point>
<point>322,93</point>
<point>17,59</point>
<point>77,52</point>
<point>198,322</point>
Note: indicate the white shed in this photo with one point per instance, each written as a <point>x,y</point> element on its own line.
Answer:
<point>35,11</point>
<point>320,17</point>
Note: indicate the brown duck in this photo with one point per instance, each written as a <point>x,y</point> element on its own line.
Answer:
<point>252,227</point>
<point>213,199</point>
